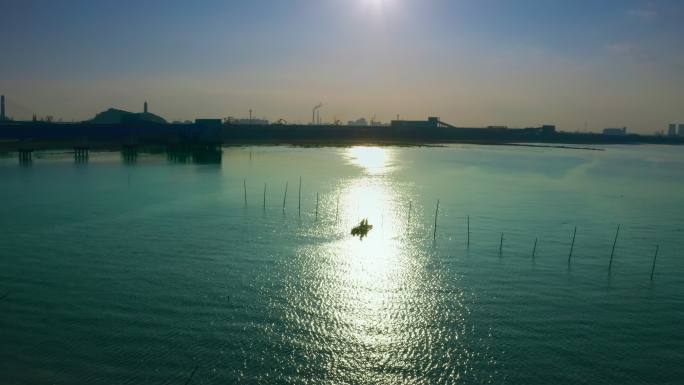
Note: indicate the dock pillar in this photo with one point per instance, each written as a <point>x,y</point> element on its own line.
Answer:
<point>81,154</point>
<point>129,154</point>
<point>25,155</point>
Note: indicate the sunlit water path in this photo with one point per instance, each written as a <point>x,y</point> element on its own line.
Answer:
<point>140,272</point>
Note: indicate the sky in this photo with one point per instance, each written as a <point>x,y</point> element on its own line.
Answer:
<point>577,64</point>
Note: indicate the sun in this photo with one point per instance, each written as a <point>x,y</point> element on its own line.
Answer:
<point>377,5</point>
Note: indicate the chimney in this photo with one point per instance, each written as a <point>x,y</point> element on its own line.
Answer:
<point>2,107</point>
<point>145,106</point>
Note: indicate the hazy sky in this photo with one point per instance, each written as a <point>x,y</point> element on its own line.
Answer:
<point>471,62</point>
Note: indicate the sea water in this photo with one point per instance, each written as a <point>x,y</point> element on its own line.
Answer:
<point>165,269</point>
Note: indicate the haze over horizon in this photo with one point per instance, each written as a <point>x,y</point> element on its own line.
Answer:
<point>493,62</point>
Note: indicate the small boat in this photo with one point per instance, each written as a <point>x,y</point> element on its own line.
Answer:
<point>362,229</point>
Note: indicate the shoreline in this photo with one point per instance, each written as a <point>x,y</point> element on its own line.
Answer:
<point>69,147</point>
<point>13,146</point>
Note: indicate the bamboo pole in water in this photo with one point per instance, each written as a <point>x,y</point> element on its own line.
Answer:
<point>434,233</point>
<point>534,249</point>
<point>655,257</point>
<point>285,195</point>
<point>468,232</point>
<point>264,196</point>
<point>408,221</point>
<point>316,206</point>
<point>337,209</point>
<point>612,252</point>
<point>244,186</point>
<point>299,207</point>
<point>191,375</point>
<point>572,245</point>
<point>501,245</point>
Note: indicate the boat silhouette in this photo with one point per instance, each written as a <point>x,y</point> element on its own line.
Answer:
<point>362,229</point>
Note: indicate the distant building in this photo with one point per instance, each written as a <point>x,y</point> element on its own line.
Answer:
<point>545,130</point>
<point>615,131</point>
<point>248,121</point>
<point>434,121</point>
<point>115,116</point>
<point>681,130</point>
<point>358,122</point>
<point>672,130</point>
<point>2,108</point>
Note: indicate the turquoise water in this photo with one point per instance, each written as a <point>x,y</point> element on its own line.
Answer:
<point>142,272</point>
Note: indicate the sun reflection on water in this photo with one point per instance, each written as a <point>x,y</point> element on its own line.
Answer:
<point>377,307</point>
<point>373,160</point>
<point>369,272</point>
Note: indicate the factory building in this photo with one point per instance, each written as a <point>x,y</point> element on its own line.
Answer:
<point>681,130</point>
<point>615,131</point>
<point>431,122</point>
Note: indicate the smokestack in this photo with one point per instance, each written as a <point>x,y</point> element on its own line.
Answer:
<point>145,106</point>
<point>313,113</point>
<point>2,107</point>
